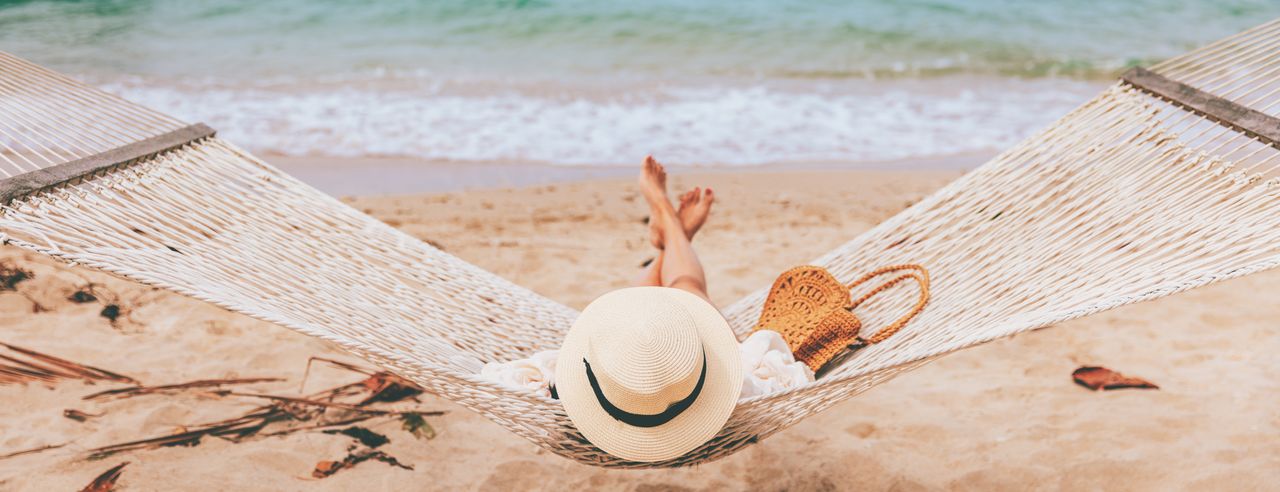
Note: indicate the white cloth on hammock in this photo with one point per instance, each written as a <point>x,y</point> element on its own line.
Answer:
<point>767,366</point>
<point>536,374</point>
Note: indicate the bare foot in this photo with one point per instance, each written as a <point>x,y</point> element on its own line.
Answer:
<point>695,206</point>
<point>653,185</point>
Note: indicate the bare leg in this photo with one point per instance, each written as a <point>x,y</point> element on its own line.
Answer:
<point>695,206</point>
<point>652,274</point>
<point>680,266</point>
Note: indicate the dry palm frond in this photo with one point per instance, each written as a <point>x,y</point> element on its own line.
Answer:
<point>20,365</point>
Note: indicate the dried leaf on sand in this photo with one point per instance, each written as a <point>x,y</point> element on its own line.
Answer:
<point>328,468</point>
<point>1101,378</point>
<point>387,388</point>
<point>11,275</point>
<point>365,436</point>
<point>106,482</point>
<point>83,296</point>
<point>111,312</point>
<point>78,415</point>
<point>415,424</point>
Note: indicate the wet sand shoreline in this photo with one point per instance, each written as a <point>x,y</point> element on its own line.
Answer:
<point>368,176</point>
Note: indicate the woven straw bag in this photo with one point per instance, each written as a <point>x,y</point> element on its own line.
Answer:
<point>813,311</point>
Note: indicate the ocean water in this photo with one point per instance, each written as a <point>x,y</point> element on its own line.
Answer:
<point>604,82</point>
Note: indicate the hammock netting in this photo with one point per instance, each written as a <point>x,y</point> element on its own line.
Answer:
<point>1163,182</point>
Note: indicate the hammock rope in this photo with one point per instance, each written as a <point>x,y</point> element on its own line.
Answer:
<point>1134,195</point>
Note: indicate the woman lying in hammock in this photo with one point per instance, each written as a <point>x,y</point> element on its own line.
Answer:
<point>650,372</point>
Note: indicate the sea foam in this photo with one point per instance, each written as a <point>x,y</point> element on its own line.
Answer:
<point>690,125</point>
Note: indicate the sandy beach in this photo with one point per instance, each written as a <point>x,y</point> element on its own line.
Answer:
<point>509,134</point>
<point>1003,416</point>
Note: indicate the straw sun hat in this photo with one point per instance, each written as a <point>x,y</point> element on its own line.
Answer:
<point>649,373</point>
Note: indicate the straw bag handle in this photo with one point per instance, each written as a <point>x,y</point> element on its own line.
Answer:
<point>918,273</point>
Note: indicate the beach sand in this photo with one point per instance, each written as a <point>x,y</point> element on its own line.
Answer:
<point>1002,416</point>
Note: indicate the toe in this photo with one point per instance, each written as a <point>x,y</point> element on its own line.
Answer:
<point>708,196</point>
<point>690,197</point>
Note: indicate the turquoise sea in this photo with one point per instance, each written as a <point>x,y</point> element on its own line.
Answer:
<point>601,82</point>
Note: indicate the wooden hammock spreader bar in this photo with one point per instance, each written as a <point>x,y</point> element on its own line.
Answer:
<point>1251,122</point>
<point>33,181</point>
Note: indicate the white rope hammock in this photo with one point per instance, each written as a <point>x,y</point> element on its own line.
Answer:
<point>1128,198</point>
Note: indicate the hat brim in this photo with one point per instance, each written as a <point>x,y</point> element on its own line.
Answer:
<point>693,427</point>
